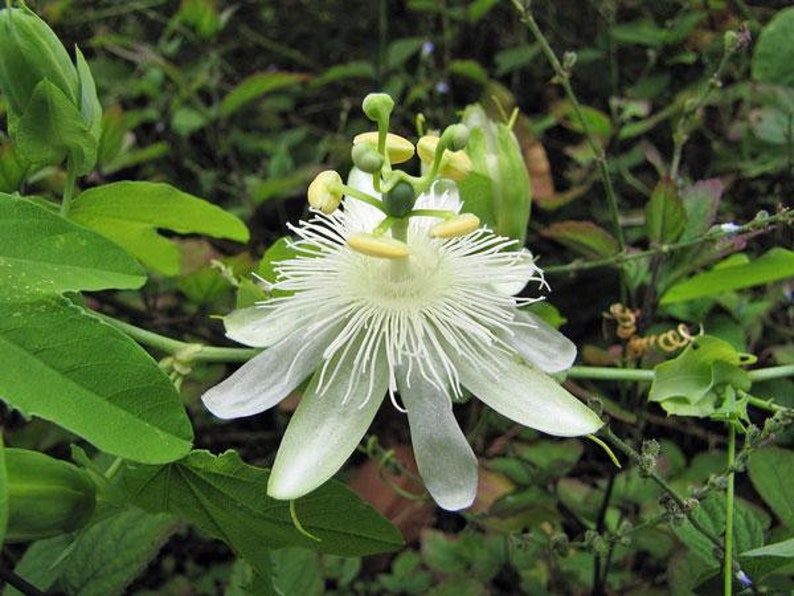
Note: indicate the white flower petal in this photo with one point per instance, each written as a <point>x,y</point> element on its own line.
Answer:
<point>530,397</point>
<point>360,216</point>
<point>445,459</point>
<point>324,431</point>
<point>261,327</point>
<point>540,343</point>
<point>268,378</point>
<point>524,271</point>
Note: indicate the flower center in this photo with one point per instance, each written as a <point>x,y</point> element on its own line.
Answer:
<point>408,285</point>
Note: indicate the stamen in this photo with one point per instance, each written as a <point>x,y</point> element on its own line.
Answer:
<point>380,247</point>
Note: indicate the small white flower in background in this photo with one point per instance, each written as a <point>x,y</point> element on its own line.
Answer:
<point>362,321</point>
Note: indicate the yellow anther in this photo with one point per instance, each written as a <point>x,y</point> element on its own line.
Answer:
<point>399,148</point>
<point>459,225</point>
<point>382,247</point>
<point>325,191</point>
<point>456,165</point>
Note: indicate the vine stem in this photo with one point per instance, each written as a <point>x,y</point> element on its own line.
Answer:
<point>193,351</point>
<point>728,563</point>
<point>691,107</point>
<point>563,76</point>
<point>605,373</point>
<point>68,190</point>
<point>784,218</point>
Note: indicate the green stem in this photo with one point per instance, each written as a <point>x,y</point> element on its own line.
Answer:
<point>68,190</point>
<point>605,373</point>
<point>728,563</point>
<point>362,196</point>
<point>685,507</point>
<point>784,218</point>
<point>691,107</point>
<point>197,352</point>
<point>563,77</point>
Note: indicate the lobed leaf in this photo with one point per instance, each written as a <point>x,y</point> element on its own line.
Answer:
<point>227,499</point>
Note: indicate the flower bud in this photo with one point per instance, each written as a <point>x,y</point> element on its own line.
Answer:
<point>366,159</point>
<point>378,106</point>
<point>46,496</point>
<point>457,135</point>
<point>400,199</point>
<point>459,225</point>
<point>30,52</point>
<point>382,247</point>
<point>325,191</point>
<point>399,149</point>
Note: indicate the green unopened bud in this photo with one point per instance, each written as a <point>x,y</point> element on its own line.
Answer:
<point>325,191</point>
<point>399,149</point>
<point>46,496</point>
<point>366,159</point>
<point>456,135</point>
<point>381,247</point>
<point>400,199</point>
<point>378,106</point>
<point>30,52</point>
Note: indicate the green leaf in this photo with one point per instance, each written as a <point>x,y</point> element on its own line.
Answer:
<point>748,530</point>
<point>227,499</point>
<point>470,69</point>
<point>514,58</point>
<point>775,265</point>
<point>358,69</point>
<point>598,123</point>
<point>42,253</point>
<point>129,213</point>
<point>771,470</point>
<point>298,571</point>
<point>583,237</point>
<point>52,128</point>
<point>400,51</point>
<point>255,86</point>
<point>774,51</point>
<point>90,107</point>
<point>113,552</point>
<point>12,168</point>
<point>689,384</point>
<point>41,564</point>
<point>763,560</point>
<point>665,216</point>
<point>700,201</point>
<point>112,140</point>
<point>66,366</point>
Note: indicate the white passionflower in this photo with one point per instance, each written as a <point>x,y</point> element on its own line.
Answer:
<point>424,327</point>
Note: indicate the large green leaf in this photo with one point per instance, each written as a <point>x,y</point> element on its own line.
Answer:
<point>774,52</point>
<point>771,470</point>
<point>63,365</point>
<point>130,213</point>
<point>583,237</point>
<point>776,264</point>
<point>227,499</point>
<point>40,252</point>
